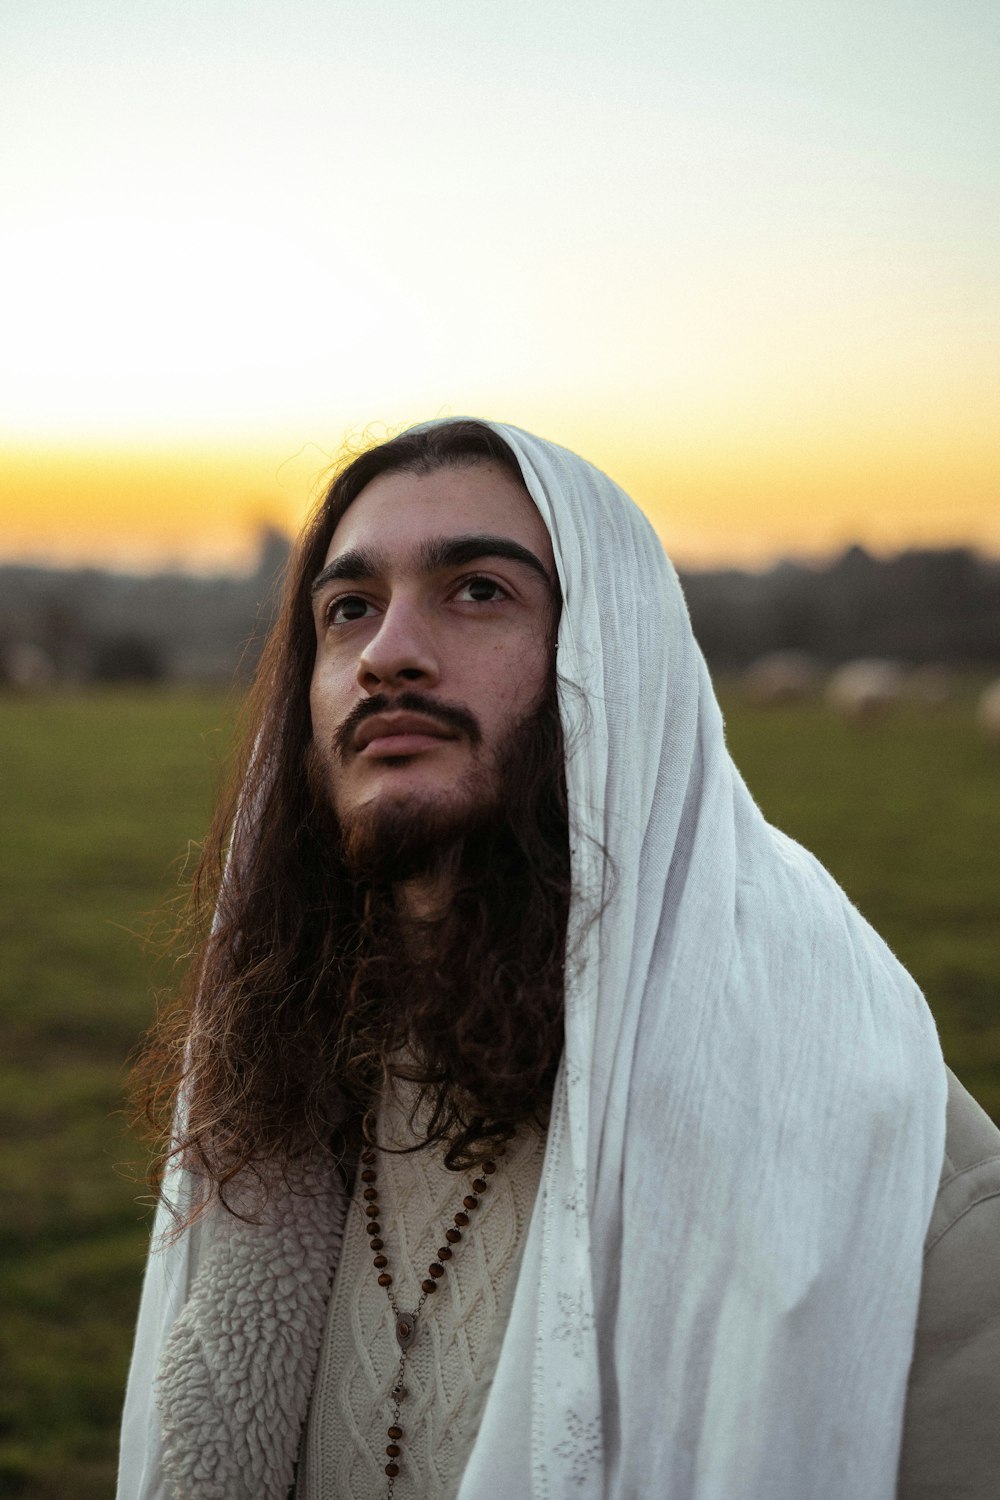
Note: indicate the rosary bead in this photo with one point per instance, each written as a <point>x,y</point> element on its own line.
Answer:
<point>405,1322</point>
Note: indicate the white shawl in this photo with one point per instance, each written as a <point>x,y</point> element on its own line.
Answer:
<point>719,1288</point>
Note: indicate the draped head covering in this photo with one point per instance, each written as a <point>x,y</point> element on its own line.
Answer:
<point>719,1287</point>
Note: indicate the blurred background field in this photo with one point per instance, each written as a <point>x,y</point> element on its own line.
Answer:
<point>106,792</point>
<point>103,793</point>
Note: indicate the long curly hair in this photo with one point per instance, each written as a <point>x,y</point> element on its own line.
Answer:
<point>302,998</point>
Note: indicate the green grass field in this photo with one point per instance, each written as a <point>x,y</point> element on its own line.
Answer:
<point>104,794</point>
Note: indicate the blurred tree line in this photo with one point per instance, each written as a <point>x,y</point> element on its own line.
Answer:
<point>97,625</point>
<point>917,607</point>
<point>92,624</point>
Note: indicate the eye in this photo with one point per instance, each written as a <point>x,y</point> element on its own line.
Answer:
<point>346,609</point>
<point>481,591</point>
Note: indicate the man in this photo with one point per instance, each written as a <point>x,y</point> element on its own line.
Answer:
<point>545,1123</point>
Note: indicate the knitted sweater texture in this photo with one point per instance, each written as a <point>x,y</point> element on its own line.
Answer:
<point>451,1362</point>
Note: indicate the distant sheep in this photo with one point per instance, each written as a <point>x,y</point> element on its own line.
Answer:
<point>781,677</point>
<point>988,712</point>
<point>864,690</point>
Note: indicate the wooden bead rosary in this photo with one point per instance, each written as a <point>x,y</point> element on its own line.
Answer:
<point>406,1322</point>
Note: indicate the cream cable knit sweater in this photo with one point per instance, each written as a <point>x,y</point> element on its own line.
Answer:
<point>451,1362</point>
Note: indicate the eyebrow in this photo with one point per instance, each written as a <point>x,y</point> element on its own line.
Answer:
<point>441,552</point>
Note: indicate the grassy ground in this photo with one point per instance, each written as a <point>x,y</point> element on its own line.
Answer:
<point>103,794</point>
<point>906,814</point>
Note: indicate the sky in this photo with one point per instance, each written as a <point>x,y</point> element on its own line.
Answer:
<point>743,257</point>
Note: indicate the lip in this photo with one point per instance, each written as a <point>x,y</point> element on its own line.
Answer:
<point>400,734</point>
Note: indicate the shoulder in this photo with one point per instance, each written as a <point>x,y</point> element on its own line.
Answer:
<point>970,1173</point>
<point>951,1439</point>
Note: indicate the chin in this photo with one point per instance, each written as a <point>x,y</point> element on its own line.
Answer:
<point>401,784</point>
<point>406,829</point>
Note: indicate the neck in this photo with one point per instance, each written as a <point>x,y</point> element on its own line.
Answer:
<point>423,900</point>
<point>426,898</point>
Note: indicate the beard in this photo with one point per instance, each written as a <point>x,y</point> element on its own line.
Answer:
<point>472,992</point>
<point>399,837</point>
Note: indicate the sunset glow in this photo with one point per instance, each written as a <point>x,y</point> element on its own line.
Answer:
<point>746,264</point>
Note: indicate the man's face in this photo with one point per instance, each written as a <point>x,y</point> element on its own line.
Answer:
<point>435,617</point>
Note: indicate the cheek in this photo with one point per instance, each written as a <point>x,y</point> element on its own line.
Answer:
<point>316,697</point>
<point>509,684</point>
<point>327,704</point>
<point>313,709</point>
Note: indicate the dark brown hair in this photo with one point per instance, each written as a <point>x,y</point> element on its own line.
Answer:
<point>301,998</point>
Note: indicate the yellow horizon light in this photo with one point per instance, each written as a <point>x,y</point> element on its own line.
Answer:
<point>736,501</point>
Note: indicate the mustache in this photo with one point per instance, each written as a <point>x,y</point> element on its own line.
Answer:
<point>452,715</point>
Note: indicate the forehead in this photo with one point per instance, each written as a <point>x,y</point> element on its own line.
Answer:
<point>401,510</point>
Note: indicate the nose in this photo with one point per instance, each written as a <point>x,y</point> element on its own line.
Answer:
<point>400,653</point>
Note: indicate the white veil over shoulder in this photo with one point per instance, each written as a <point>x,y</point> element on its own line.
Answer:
<point>719,1288</point>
